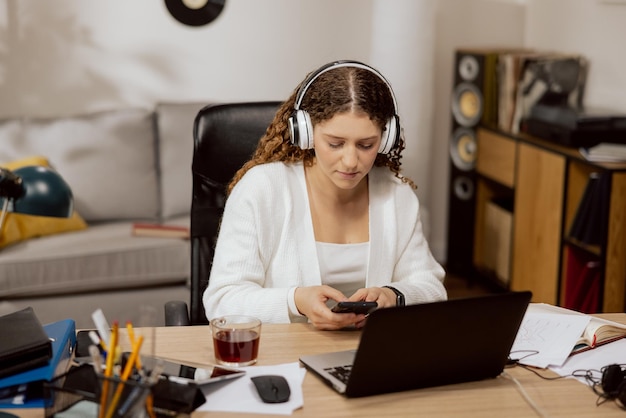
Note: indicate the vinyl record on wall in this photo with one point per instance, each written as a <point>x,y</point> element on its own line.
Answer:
<point>195,12</point>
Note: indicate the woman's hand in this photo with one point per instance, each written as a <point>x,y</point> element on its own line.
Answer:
<point>311,302</point>
<point>385,298</point>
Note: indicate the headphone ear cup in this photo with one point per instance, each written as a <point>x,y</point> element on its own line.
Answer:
<point>621,394</point>
<point>301,129</point>
<point>306,130</point>
<point>293,129</point>
<point>612,378</point>
<point>390,136</point>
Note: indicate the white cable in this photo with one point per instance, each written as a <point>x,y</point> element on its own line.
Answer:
<point>527,398</point>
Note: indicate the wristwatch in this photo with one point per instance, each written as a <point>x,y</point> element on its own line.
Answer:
<point>399,295</point>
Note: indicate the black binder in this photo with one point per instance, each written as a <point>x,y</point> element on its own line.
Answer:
<point>24,343</point>
<point>590,223</point>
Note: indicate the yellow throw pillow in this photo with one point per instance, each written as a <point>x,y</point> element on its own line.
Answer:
<point>19,227</point>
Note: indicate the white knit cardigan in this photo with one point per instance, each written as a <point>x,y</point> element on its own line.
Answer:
<point>266,244</point>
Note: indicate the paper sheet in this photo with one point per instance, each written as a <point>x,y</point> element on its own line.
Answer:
<point>240,395</point>
<point>546,339</point>
<point>593,360</point>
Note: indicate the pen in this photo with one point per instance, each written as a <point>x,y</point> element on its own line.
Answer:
<point>96,340</point>
<point>96,359</point>
<point>155,373</point>
<point>102,325</point>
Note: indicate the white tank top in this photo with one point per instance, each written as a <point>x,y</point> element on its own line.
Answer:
<point>343,266</point>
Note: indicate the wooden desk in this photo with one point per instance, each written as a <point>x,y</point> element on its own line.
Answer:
<point>494,397</point>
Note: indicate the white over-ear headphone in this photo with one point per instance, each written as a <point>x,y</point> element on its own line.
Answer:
<point>301,128</point>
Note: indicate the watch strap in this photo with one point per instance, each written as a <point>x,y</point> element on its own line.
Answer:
<point>399,296</point>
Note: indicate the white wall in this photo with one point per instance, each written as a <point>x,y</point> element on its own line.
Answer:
<point>593,28</point>
<point>71,56</point>
<point>461,23</point>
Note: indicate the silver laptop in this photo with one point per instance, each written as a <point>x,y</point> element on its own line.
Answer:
<point>426,345</point>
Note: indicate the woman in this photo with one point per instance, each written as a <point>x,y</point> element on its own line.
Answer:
<point>321,213</point>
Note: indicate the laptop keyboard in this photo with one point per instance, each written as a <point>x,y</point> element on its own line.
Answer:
<point>341,373</point>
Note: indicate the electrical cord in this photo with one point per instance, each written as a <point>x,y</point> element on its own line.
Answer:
<point>525,395</point>
<point>592,377</point>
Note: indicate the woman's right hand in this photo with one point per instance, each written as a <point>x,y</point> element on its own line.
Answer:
<point>311,302</point>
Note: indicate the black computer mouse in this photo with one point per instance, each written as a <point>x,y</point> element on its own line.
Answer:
<point>272,388</point>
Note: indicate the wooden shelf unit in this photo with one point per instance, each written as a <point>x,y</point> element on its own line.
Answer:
<point>545,182</point>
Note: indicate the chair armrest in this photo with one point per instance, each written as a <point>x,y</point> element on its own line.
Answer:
<point>176,313</point>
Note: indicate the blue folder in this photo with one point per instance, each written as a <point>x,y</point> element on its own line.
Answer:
<point>29,384</point>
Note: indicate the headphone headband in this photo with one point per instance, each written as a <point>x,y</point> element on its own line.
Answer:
<point>301,128</point>
<point>339,64</point>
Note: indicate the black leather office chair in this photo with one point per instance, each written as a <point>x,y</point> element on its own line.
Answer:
<point>225,136</point>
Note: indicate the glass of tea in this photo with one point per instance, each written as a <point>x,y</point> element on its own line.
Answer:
<point>236,340</point>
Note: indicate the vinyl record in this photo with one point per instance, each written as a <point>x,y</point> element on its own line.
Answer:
<point>195,12</point>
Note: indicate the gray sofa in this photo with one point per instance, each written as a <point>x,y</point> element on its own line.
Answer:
<point>124,166</point>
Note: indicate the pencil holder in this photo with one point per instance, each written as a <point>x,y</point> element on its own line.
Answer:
<point>121,398</point>
<point>82,393</point>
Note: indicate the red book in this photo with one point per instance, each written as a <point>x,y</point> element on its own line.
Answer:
<point>159,230</point>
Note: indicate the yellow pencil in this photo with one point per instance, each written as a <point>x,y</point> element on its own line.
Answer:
<point>108,371</point>
<point>130,364</point>
<point>131,337</point>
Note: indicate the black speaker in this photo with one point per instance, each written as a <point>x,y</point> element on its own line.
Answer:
<point>474,102</point>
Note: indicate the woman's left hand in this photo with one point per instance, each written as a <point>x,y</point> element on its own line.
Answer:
<point>385,298</point>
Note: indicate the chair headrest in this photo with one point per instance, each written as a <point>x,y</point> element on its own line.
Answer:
<point>226,135</point>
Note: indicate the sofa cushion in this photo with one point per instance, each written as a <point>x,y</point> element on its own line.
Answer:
<point>175,135</point>
<point>12,140</point>
<point>18,227</point>
<point>100,257</point>
<point>107,158</point>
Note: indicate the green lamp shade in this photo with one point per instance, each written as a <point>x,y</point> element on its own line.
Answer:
<point>44,193</point>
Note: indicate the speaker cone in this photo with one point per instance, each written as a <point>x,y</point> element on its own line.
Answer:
<point>463,188</point>
<point>467,104</point>
<point>468,68</point>
<point>463,149</point>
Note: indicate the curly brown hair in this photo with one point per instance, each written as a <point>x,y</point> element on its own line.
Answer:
<point>338,90</point>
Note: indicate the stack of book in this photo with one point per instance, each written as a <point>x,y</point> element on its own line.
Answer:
<point>159,230</point>
<point>30,355</point>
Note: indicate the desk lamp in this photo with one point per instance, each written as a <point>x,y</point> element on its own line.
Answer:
<point>34,190</point>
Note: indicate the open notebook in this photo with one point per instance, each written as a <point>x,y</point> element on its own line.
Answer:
<point>426,345</point>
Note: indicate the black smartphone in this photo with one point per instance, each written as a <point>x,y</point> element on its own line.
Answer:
<point>182,373</point>
<point>360,307</point>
